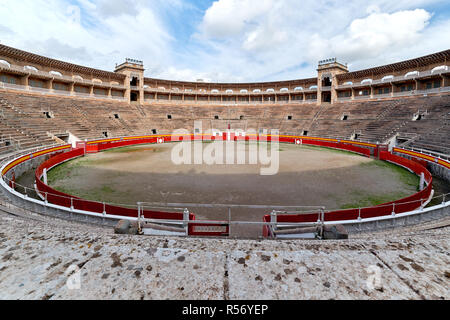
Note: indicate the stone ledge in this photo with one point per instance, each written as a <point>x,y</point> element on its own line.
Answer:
<point>35,257</point>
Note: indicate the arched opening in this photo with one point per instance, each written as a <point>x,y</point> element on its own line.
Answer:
<point>134,81</point>
<point>326,82</point>
<point>134,96</point>
<point>435,69</point>
<point>55,73</point>
<point>31,68</point>
<point>6,63</point>
<point>326,96</point>
<point>412,73</point>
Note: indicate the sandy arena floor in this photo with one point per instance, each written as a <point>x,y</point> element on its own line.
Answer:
<point>307,176</point>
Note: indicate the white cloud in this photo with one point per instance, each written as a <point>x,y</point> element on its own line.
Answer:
<point>373,8</point>
<point>112,8</point>
<point>371,36</point>
<point>232,40</point>
<point>47,26</point>
<point>275,38</point>
<point>230,18</point>
<point>54,47</point>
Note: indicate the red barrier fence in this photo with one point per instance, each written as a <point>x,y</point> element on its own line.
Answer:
<point>409,203</point>
<point>399,206</point>
<point>209,229</point>
<point>59,198</point>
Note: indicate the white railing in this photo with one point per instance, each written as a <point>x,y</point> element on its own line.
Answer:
<point>117,86</point>
<point>362,97</point>
<point>426,91</point>
<point>344,98</point>
<point>380,81</point>
<point>39,89</point>
<point>227,103</point>
<point>404,93</point>
<point>382,95</point>
<point>428,152</point>
<point>238,93</point>
<point>60,92</point>
<point>398,94</point>
<point>344,86</point>
<point>432,90</point>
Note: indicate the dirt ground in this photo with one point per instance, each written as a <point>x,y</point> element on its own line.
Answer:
<point>307,176</point>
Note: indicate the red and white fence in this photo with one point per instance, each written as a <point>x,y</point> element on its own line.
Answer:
<point>72,204</point>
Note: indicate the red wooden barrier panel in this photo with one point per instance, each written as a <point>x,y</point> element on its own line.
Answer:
<point>398,206</point>
<point>53,196</point>
<point>66,200</point>
<point>209,229</point>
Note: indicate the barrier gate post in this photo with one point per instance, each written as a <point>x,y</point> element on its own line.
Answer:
<point>273,221</point>
<point>139,218</point>
<point>186,220</point>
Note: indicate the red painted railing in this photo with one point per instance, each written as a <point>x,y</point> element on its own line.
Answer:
<point>407,204</point>
<point>60,198</point>
<point>399,206</point>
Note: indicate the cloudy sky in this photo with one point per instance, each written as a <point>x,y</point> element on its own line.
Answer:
<point>227,40</point>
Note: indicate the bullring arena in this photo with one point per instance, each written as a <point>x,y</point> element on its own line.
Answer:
<point>90,187</point>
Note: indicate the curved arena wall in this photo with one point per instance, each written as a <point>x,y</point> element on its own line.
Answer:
<point>71,203</point>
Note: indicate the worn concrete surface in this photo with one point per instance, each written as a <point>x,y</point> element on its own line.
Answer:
<point>305,176</point>
<point>38,257</point>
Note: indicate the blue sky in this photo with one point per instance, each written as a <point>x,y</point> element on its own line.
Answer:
<point>227,40</point>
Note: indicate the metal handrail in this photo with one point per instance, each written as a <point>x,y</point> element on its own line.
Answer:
<point>428,152</point>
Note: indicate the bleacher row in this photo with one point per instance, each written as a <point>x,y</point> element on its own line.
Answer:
<point>28,120</point>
